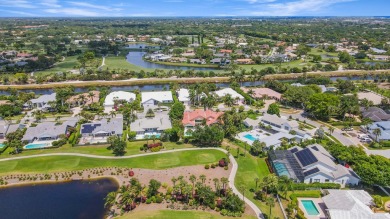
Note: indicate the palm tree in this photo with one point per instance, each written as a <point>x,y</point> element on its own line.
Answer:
<point>270,182</point>
<point>110,199</point>
<point>216,183</point>
<point>228,100</point>
<point>193,181</point>
<point>331,130</point>
<point>242,189</point>
<point>112,114</point>
<point>174,180</point>
<point>285,185</point>
<point>271,203</point>
<point>202,178</point>
<point>224,182</point>
<point>81,99</point>
<point>91,95</point>
<point>250,93</point>
<point>377,132</point>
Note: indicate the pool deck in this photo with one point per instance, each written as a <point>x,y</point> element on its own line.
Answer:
<point>254,133</point>
<point>47,143</point>
<point>319,205</point>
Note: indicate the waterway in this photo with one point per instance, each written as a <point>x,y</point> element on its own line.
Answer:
<point>75,199</point>
<point>135,57</point>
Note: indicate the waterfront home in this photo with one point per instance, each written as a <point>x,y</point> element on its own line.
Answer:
<point>147,127</point>
<point>369,95</point>
<point>244,61</point>
<point>263,93</point>
<point>48,131</point>
<point>252,123</point>
<point>152,99</point>
<point>220,61</point>
<point>350,204</point>
<point>99,131</point>
<point>384,130</point>
<point>42,102</point>
<point>84,99</point>
<point>311,164</point>
<point>229,91</point>
<point>200,117</point>
<point>119,96</point>
<point>184,96</point>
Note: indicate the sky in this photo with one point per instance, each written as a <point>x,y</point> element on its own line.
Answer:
<point>158,8</point>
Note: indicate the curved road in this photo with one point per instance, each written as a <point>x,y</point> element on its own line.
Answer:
<point>232,174</point>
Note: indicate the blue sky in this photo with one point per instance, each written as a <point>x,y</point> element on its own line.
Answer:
<point>136,8</point>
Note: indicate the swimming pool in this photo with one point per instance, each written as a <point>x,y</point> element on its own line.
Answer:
<point>250,137</point>
<point>147,135</point>
<point>2,145</point>
<point>281,169</point>
<point>37,145</point>
<point>310,207</point>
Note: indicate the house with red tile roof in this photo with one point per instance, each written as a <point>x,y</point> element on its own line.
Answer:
<point>261,93</point>
<point>24,55</point>
<point>229,51</point>
<point>199,117</point>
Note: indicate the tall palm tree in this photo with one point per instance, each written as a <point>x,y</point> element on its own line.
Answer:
<point>193,181</point>
<point>174,180</point>
<point>224,182</point>
<point>202,178</point>
<point>216,182</point>
<point>91,95</point>
<point>331,130</point>
<point>377,132</point>
<point>228,100</point>
<point>110,199</point>
<point>271,203</point>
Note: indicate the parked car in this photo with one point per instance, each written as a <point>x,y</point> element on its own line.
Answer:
<point>366,140</point>
<point>347,129</point>
<point>362,136</point>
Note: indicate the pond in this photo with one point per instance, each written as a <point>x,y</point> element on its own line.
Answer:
<point>136,58</point>
<point>75,199</point>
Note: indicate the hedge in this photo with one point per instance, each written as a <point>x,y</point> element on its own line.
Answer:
<point>346,123</point>
<point>304,186</point>
<point>312,194</point>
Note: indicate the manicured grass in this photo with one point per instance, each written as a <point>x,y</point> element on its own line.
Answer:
<point>64,66</point>
<point>296,63</point>
<point>70,163</point>
<point>171,214</point>
<point>132,148</point>
<point>188,65</point>
<point>119,62</point>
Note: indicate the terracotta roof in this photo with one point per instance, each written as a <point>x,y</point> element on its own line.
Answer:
<point>261,92</point>
<point>210,116</point>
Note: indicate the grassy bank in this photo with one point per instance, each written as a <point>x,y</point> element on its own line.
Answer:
<point>71,163</point>
<point>170,214</point>
<point>186,64</point>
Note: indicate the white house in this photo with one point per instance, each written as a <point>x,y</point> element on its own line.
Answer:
<point>229,91</point>
<point>311,164</point>
<point>184,96</point>
<point>119,96</point>
<point>42,102</point>
<point>279,124</point>
<point>151,99</point>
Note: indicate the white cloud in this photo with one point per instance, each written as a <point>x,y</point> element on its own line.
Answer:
<point>259,1</point>
<point>73,12</point>
<point>16,4</point>
<point>89,5</point>
<point>50,3</point>
<point>293,7</point>
<point>18,12</point>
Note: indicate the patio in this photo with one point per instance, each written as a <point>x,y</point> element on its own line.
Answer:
<point>250,136</point>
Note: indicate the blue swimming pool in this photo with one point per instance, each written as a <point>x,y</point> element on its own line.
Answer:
<point>36,145</point>
<point>158,135</point>
<point>310,207</point>
<point>281,169</point>
<point>1,146</point>
<point>250,137</point>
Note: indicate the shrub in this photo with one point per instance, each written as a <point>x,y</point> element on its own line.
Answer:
<point>213,166</point>
<point>159,199</point>
<point>155,149</point>
<point>304,186</point>
<point>207,166</point>
<point>158,144</point>
<point>153,199</point>
<point>226,168</point>
<point>148,201</point>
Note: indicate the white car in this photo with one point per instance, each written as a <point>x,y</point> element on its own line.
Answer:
<point>362,136</point>
<point>366,140</point>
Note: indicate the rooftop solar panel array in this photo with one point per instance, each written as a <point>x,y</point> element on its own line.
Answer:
<point>306,157</point>
<point>311,171</point>
<point>315,148</point>
<point>88,128</point>
<point>294,150</point>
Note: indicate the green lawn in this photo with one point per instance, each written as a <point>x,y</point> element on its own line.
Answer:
<point>132,148</point>
<point>120,62</point>
<point>297,63</point>
<point>64,66</point>
<point>171,214</point>
<point>70,163</point>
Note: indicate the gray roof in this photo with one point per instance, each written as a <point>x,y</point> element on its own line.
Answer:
<point>47,129</point>
<point>112,126</point>
<point>44,98</point>
<point>252,122</point>
<point>375,114</point>
<point>160,122</point>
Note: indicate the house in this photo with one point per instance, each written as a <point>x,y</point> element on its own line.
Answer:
<point>147,127</point>
<point>184,96</point>
<point>379,51</point>
<point>379,57</point>
<point>375,114</point>
<point>311,164</point>
<point>229,91</point>
<point>384,128</point>
<point>252,123</point>
<point>199,117</point>
<point>6,128</point>
<point>103,128</point>
<point>227,51</point>
<point>48,131</point>
<point>41,102</point>
<point>279,124</point>
<point>197,61</point>
<point>261,93</point>
<point>84,99</point>
<point>220,61</point>
<point>151,99</point>
<point>350,204</point>
<point>119,96</point>
<point>369,95</point>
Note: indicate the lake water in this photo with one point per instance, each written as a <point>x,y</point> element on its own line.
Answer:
<point>135,58</point>
<point>70,200</point>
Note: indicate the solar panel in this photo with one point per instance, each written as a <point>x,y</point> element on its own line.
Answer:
<point>294,150</point>
<point>306,157</point>
<point>315,148</point>
<point>311,171</point>
<point>88,128</point>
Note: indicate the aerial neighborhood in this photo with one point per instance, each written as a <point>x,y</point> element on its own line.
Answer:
<point>195,117</point>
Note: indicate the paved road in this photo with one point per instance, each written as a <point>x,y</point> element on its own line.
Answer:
<point>232,174</point>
